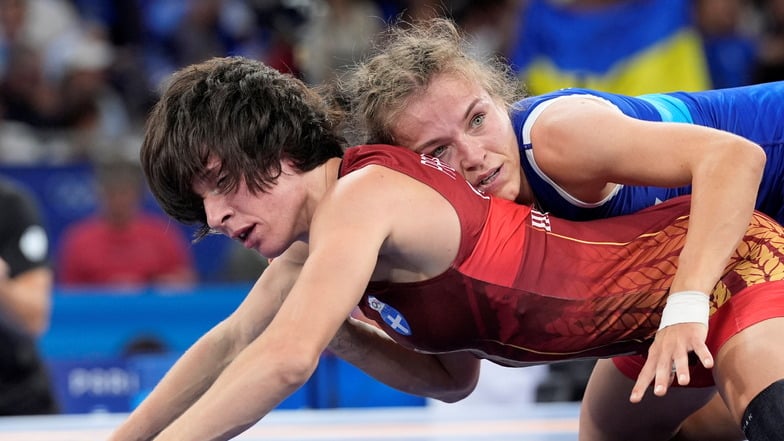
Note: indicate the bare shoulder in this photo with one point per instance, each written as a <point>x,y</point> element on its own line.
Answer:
<point>373,187</point>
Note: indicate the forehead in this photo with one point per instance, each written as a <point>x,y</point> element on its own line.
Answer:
<point>449,86</point>
<point>446,102</point>
<point>208,175</point>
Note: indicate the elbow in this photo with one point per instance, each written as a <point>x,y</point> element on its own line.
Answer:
<point>453,396</point>
<point>294,371</point>
<point>758,160</point>
<point>458,393</point>
<point>458,388</point>
<point>751,156</point>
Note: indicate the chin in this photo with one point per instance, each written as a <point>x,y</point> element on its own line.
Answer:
<point>270,252</point>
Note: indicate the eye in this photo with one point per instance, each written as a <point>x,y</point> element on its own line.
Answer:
<point>222,183</point>
<point>438,151</point>
<point>477,120</point>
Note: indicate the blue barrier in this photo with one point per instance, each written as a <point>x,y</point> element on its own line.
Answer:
<point>88,342</point>
<point>120,384</point>
<point>102,323</point>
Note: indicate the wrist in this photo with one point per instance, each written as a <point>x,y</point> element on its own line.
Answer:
<point>685,307</point>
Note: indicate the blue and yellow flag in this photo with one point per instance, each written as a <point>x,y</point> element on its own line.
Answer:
<point>631,47</point>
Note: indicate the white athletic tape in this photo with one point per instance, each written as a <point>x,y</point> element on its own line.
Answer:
<point>685,307</point>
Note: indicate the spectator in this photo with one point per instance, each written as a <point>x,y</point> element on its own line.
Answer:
<point>338,34</point>
<point>122,245</point>
<point>771,52</point>
<point>730,47</point>
<point>25,305</point>
<point>27,96</point>
<point>95,117</point>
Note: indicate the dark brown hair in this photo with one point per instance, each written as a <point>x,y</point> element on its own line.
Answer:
<point>241,112</point>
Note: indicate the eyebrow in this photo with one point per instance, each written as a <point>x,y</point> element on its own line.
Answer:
<point>467,113</point>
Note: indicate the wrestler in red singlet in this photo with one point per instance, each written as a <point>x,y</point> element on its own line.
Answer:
<point>528,288</point>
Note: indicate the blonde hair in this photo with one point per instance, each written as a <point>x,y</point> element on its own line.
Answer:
<point>401,66</point>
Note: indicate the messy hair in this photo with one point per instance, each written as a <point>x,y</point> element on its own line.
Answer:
<point>241,112</point>
<point>402,64</point>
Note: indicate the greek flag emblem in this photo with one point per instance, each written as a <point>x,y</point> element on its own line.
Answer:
<point>390,315</point>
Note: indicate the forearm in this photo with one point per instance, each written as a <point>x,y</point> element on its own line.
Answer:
<point>447,377</point>
<point>249,388</point>
<point>187,380</point>
<point>720,214</point>
<point>201,366</point>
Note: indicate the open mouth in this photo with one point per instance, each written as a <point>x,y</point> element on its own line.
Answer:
<point>489,179</point>
<point>243,234</point>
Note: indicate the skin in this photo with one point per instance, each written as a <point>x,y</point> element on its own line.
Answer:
<point>214,374</point>
<point>347,246</point>
<point>583,146</point>
<point>201,372</point>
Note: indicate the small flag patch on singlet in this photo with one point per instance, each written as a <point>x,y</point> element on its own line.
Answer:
<point>390,315</point>
<point>540,220</point>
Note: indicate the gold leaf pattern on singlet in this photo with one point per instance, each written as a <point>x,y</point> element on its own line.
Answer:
<point>757,259</point>
<point>720,296</point>
<point>633,288</point>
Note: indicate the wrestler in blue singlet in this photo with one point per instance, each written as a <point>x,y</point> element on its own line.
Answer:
<point>753,112</point>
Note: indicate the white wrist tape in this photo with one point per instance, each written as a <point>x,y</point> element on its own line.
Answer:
<point>685,307</point>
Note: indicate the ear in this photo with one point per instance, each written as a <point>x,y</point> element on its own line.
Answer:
<point>288,167</point>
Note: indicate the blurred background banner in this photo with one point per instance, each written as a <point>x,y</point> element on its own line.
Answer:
<point>630,47</point>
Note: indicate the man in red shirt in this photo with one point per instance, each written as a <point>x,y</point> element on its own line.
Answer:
<point>121,244</point>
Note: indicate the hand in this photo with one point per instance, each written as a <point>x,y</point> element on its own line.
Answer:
<point>671,348</point>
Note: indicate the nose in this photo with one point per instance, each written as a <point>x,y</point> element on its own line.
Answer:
<point>472,155</point>
<point>217,211</point>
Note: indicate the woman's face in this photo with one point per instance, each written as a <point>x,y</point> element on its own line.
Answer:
<point>457,121</point>
<point>268,222</point>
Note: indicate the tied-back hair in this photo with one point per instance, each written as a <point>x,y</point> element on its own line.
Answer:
<point>241,112</point>
<point>401,66</point>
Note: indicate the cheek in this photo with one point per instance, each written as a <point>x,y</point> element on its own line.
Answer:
<point>508,147</point>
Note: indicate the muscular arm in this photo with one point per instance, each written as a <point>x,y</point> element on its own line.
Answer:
<point>201,364</point>
<point>347,241</point>
<point>587,147</point>
<point>446,377</point>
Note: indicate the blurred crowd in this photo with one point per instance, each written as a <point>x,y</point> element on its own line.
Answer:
<point>77,76</point>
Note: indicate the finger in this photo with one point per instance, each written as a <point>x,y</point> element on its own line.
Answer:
<point>706,358</point>
<point>638,391</point>
<point>680,368</point>
<point>644,380</point>
<point>663,376</point>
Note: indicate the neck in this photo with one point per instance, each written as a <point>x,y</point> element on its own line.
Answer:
<point>526,195</point>
<point>322,178</point>
<point>331,170</point>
